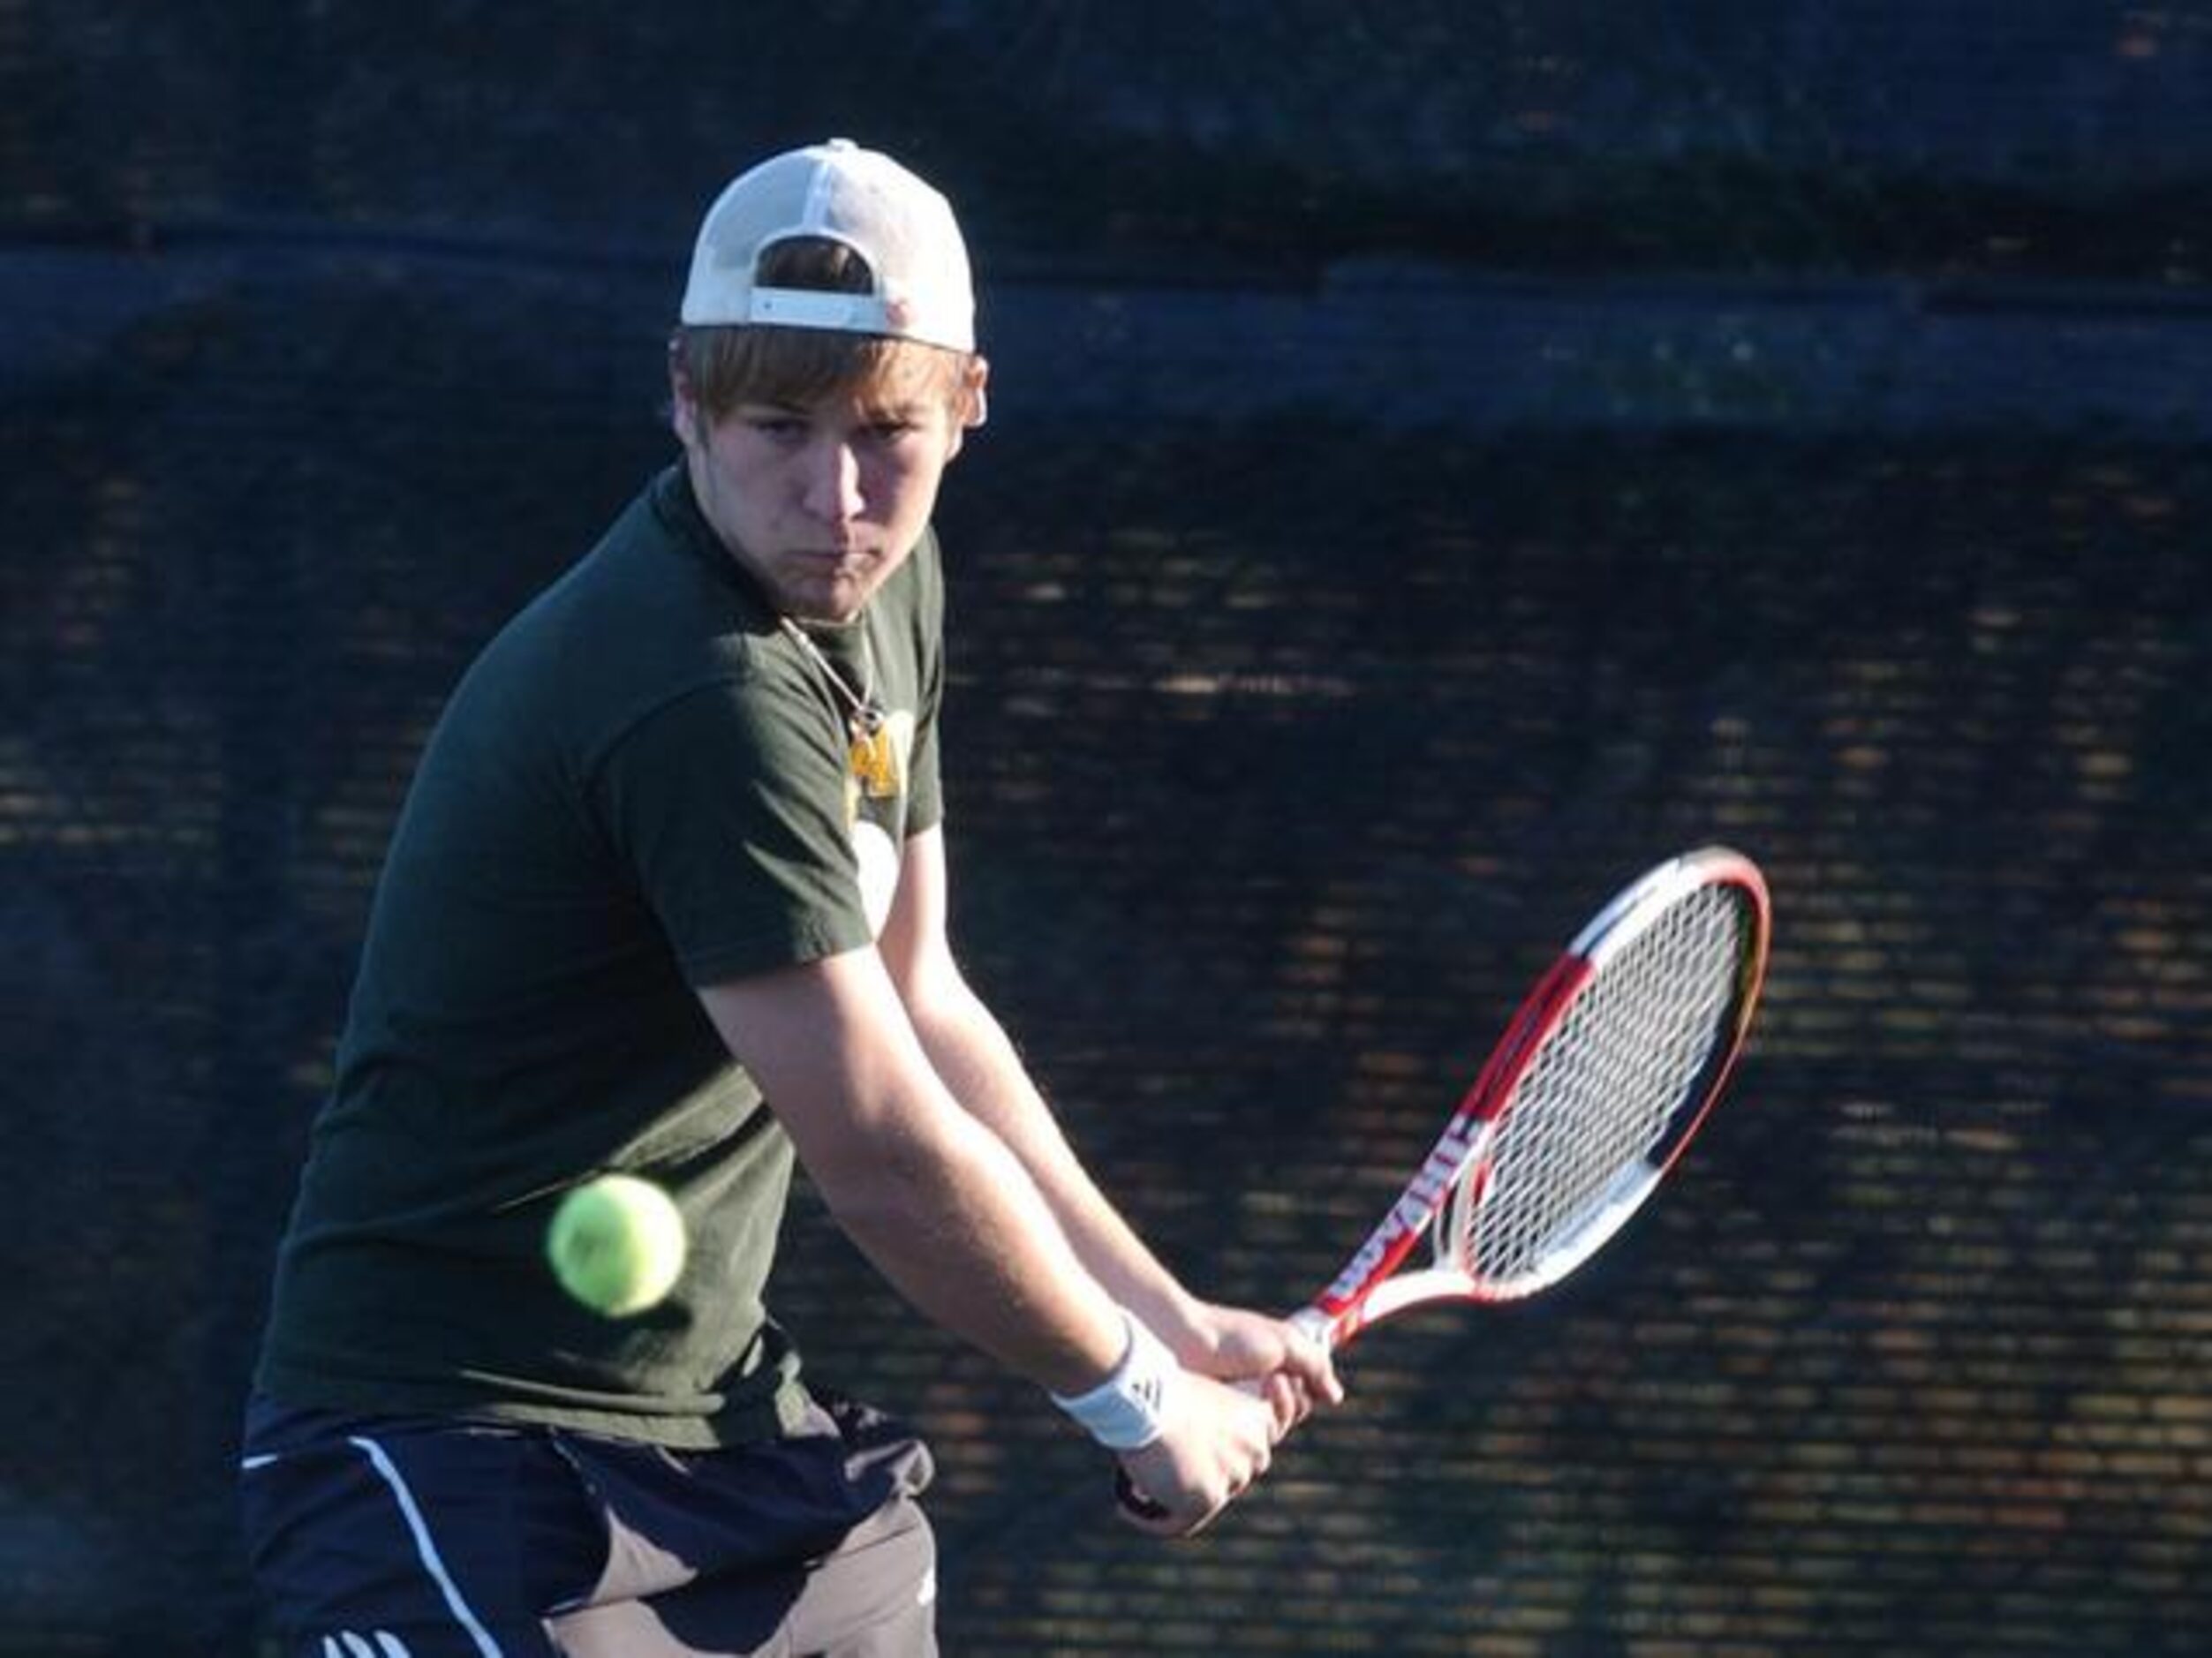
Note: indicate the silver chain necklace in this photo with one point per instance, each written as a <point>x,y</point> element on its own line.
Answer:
<point>863,714</point>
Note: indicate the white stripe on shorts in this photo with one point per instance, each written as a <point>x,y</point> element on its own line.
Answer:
<point>425,1549</point>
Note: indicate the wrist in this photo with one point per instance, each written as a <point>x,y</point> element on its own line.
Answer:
<point>1182,1320</point>
<point>1129,1409</point>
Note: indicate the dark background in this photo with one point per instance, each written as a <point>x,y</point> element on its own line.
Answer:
<point>1444,457</point>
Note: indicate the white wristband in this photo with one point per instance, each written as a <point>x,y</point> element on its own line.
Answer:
<point>1128,1410</point>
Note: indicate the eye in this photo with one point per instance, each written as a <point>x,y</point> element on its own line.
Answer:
<point>773,422</point>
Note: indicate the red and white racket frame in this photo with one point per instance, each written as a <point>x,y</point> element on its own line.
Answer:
<point>1370,1287</point>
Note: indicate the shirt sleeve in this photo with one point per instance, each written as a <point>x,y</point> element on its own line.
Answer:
<point>727,806</point>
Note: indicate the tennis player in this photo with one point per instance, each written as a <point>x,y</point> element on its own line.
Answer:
<point>669,897</point>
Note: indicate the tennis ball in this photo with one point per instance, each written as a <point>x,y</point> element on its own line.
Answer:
<point>616,1244</point>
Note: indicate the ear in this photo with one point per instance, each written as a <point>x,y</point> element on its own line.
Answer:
<point>975,408</point>
<point>684,408</point>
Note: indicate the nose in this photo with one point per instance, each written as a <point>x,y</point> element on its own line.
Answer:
<point>833,482</point>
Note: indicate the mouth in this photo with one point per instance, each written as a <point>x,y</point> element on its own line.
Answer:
<point>833,578</point>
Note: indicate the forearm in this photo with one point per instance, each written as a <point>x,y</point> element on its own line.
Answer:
<point>1215,1439</point>
<point>952,1219</point>
<point>925,1191</point>
<point>970,1049</point>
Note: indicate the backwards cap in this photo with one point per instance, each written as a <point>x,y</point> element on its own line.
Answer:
<point>902,227</point>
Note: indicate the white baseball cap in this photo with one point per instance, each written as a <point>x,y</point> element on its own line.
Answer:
<point>902,227</point>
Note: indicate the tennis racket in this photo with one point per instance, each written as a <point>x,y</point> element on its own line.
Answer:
<point>1604,1074</point>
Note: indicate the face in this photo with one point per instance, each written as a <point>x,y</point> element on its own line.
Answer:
<point>821,502</point>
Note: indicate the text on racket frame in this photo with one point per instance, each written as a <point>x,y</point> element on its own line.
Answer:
<point>1416,1207</point>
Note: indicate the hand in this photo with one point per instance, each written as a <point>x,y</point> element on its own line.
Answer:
<point>1275,1357</point>
<point>1272,1361</point>
<point>1215,1441</point>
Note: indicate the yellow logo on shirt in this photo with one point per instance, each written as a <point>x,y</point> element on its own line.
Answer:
<point>879,765</point>
<point>877,762</point>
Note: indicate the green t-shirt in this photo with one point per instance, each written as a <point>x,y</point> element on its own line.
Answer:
<point>643,785</point>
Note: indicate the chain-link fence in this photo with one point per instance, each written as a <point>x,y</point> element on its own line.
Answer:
<point>1443,458</point>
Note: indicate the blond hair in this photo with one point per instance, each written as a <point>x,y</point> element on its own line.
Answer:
<point>721,366</point>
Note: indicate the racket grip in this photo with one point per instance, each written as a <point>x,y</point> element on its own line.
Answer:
<point>1315,1323</point>
<point>1312,1322</point>
<point>1136,1501</point>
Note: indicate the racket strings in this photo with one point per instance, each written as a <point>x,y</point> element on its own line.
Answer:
<point>1584,1128</point>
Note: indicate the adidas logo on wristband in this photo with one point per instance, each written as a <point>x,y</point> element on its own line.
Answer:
<point>1129,1409</point>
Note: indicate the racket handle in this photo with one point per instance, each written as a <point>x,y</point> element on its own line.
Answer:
<point>1317,1324</point>
<point>1136,1501</point>
<point>1310,1321</point>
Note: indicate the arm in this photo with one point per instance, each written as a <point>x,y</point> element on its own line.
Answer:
<point>970,1050</point>
<point>934,1200</point>
<point>945,1210</point>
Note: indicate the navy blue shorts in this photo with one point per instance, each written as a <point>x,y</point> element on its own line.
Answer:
<point>401,1537</point>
